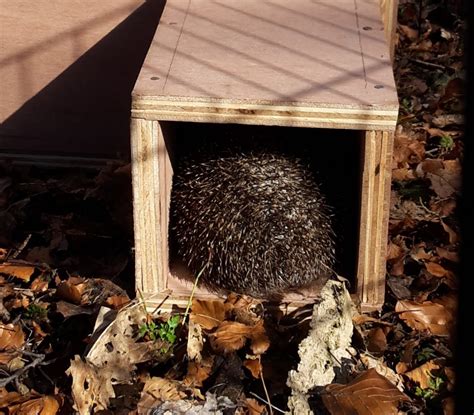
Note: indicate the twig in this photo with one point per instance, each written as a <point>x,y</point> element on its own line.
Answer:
<point>38,361</point>
<point>265,388</point>
<point>429,64</point>
<point>21,247</point>
<point>264,401</point>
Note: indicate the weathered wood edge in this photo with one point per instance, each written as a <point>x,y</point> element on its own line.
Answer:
<point>149,275</point>
<point>261,113</point>
<point>389,9</point>
<point>375,207</point>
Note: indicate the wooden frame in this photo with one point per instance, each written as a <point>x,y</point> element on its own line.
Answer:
<point>182,81</point>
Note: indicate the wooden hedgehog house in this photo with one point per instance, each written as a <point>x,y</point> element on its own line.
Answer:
<point>302,65</point>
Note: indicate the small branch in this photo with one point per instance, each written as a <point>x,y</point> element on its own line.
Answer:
<point>265,388</point>
<point>428,64</point>
<point>266,402</point>
<point>38,361</point>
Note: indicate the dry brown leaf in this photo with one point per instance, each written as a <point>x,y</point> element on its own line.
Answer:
<point>91,386</point>
<point>382,369</point>
<point>394,252</point>
<point>259,342</point>
<point>44,405</point>
<point>11,337</point>
<point>445,176</point>
<point>208,314</point>
<point>39,285</point>
<point>443,120</point>
<point>401,367</point>
<point>376,340</point>
<point>254,407</point>
<point>198,372</point>
<point>453,236</point>
<point>117,301</point>
<point>436,270</point>
<point>422,374</point>
<point>451,256</point>
<point>435,317</point>
<point>418,252</point>
<point>410,33</point>
<point>368,394</point>
<point>444,207</point>
<point>230,336</point>
<point>68,310</point>
<point>71,290</point>
<point>158,390</point>
<point>20,271</point>
<point>254,366</point>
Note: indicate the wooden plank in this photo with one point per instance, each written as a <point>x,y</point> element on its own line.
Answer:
<point>148,209</point>
<point>300,63</point>
<point>389,10</point>
<point>375,206</point>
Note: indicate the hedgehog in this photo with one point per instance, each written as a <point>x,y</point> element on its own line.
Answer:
<point>254,223</point>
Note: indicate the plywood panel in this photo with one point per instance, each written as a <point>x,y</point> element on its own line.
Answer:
<point>303,63</point>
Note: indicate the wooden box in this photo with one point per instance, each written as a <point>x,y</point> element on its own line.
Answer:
<point>312,64</point>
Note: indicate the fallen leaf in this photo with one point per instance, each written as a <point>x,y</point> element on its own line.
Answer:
<point>231,336</point>
<point>401,367</point>
<point>444,207</point>
<point>259,342</point>
<point>368,394</point>
<point>422,374</point>
<point>445,176</point>
<point>443,120</point>
<point>71,290</point>
<point>453,236</point>
<point>410,33</point>
<point>394,251</point>
<point>435,317</point>
<point>11,337</point>
<point>418,253</point>
<point>435,269</point>
<point>198,372</point>
<point>382,369</point>
<point>39,285</point>
<point>22,272</point>
<point>44,405</point>
<point>91,386</point>
<point>158,390</point>
<point>376,340</point>
<point>451,256</point>
<point>117,301</point>
<point>68,310</point>
<point>254,366</point>
<point>208,314</point>
<point>254,407</point>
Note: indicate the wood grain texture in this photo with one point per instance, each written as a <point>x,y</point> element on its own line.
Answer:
<point>375,206</point>
<point>300,63</point>
<point>389,10</point>
<point>149,206</point>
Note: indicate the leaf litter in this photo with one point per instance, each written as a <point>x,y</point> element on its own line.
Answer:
<point>73,339</point>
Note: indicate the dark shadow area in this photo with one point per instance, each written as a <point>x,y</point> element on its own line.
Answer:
<point>332,155</point>
<point>86,109</point>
